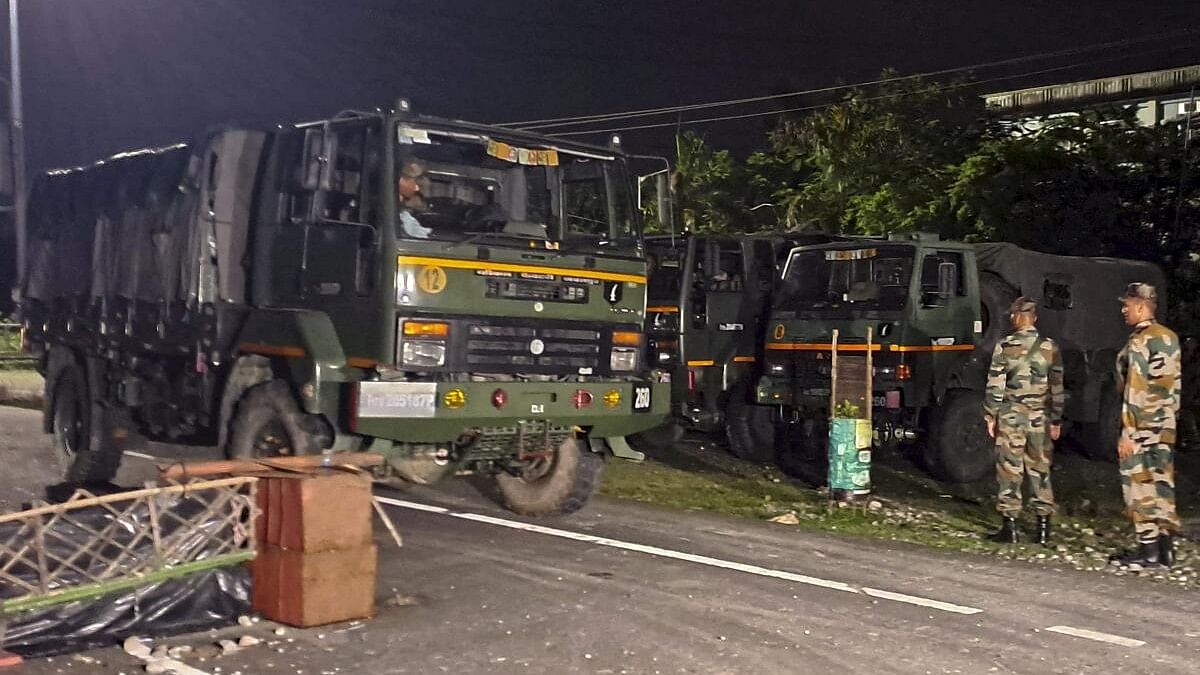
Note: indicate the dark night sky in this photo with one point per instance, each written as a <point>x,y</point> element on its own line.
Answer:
<point>105,75</point>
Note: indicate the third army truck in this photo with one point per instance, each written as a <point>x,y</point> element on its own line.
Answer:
<point>707,299</point>
<point>935,310</point>
<point>454,296</point>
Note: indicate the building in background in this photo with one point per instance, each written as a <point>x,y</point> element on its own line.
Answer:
<point>1159,96</point>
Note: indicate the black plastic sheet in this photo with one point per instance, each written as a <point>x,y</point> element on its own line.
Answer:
<point>194,603</point>
<point>198,601</point>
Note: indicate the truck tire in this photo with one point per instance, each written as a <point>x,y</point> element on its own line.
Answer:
<point>803,448</point>
<point>995,298</point>
<point>87,436</point>
<point>750,428</point>
<point>268,423</point>
<point>658,438</point>
<point>959,449</point>
<point>1099,439</point>
<point>562,487</point>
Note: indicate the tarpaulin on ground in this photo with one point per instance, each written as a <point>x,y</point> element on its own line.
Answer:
<point>105,542</point>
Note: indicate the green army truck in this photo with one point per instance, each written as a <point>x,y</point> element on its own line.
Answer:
<point>454,296</point>
<point>708,298</point>
<point>934,310</point>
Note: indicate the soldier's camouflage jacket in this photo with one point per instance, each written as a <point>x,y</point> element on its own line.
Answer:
<point>1149,375</point>
<point>1026,385</point>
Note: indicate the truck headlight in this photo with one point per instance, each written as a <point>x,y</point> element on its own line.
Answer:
<point>423,353</point>
<point>623,359</point>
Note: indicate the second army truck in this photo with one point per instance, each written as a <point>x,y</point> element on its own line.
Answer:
<point>707,299</point>
<point>454,296</point>
<point>936,309</point>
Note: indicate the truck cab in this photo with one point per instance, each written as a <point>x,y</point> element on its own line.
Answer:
<point>708,298</point>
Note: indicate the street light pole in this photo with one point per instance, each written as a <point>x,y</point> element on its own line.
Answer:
<point>18,143</point>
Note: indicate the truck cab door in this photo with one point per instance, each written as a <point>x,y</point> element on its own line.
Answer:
<point>949,309</point>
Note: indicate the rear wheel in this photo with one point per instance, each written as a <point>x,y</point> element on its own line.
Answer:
<point>750,428</point>
<point>88,437</point>
<point>556,485</point>
<point>1098,439</point>
<point>959,448</point>
<point>268,423</point>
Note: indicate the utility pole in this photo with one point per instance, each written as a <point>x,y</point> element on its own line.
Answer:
<point>17,138</point>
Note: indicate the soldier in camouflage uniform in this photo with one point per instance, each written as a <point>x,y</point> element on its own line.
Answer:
<point>1023,409</point>
<point>1149,377</point>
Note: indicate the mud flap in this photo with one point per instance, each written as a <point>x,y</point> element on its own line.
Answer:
<point>618,446</point>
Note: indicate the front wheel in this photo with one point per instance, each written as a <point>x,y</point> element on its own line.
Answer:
<point>557,485</point>
<point>268,423</point>
<point>750,428</point>
<point>959,448</point>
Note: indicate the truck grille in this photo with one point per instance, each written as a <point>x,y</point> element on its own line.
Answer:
<point>532,347</point>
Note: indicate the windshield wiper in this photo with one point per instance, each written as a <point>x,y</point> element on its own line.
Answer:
<point>473,237</point>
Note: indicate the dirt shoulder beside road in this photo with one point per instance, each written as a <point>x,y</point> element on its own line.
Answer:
<point>909,506</point>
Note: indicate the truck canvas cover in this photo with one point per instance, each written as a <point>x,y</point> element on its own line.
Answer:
<point>1077,297</point>
<point>146,226</point>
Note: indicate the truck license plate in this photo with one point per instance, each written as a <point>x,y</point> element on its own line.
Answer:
<point>397,399</point>
<point>641,399</point>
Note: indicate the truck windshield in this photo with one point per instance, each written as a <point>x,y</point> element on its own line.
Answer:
<point>871,278</point>
<point>454,187</point>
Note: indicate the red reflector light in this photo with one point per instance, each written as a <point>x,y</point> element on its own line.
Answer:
<point>499,398</point>
<point>581,398</point>
<point>691,381</point>
<point>903,372</point>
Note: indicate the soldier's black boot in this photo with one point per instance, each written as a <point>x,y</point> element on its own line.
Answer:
<point>1043,531</point>
<point>1166,549</point>
<point>1007,534</point>
<point>1146,555</point>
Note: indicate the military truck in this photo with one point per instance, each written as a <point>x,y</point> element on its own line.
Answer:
<point>708,297</point>
<point>290,291</point>
<point>935,310</point>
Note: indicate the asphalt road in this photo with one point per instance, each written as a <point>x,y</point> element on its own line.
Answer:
<point>627,588</point>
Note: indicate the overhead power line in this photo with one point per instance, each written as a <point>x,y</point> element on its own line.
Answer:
<point>547,123</point>
<point>821,106</point>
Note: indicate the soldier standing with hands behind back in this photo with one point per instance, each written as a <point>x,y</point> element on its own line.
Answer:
<point>1023,409</point>
<point>1149,377</point>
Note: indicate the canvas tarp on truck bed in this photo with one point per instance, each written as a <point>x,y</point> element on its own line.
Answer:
<point>163,226</point>
<point>1077,297</point>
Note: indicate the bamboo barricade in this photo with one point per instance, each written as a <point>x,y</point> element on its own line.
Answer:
<point>53,554</point>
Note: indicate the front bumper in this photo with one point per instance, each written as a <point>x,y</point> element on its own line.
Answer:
<point>419,412</point>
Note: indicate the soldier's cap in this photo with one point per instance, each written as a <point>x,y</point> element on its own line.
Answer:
<point>1140,291</point>
<point>1022,305</point>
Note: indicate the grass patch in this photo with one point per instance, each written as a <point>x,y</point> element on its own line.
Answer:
<point>907,506</point>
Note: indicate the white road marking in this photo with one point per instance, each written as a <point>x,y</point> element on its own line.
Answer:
<point>1093,635</point>
<point>924,602</point>
<point>416,506</point>
<point>686,557</point>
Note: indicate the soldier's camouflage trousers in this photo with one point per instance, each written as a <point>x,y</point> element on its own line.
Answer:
<point>1148,483</point>
<point>1023,448</point>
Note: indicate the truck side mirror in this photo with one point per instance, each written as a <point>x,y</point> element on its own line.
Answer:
<point>312,158</point>
<point>320,147</point>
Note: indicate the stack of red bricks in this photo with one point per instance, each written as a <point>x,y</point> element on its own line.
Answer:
<point>316,558</point>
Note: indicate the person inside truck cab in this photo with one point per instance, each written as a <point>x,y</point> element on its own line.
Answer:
<point>411,202</point>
